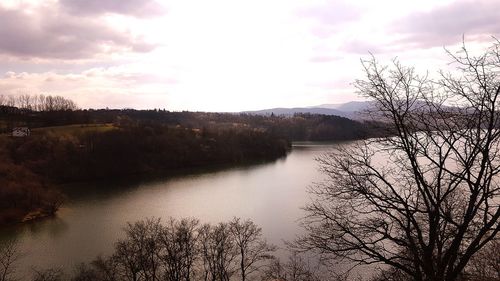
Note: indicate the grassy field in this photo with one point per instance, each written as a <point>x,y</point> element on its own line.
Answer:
<point>69,129</point>
<point>73,129</point>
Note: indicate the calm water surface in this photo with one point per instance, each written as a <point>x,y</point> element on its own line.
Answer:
<point>92,219</point>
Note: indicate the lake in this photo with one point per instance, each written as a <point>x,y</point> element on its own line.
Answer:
<point>271,194</point>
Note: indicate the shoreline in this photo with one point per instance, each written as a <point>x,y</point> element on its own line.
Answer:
<point>38,214</point>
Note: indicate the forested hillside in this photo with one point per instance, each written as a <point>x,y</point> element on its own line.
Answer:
<point>299,127</point>
<point>68,144</point>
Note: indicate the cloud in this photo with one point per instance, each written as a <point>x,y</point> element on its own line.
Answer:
<point>116,87</point>
<point>331,13</point>
<point>477,20</point>
<point>329,16</point>
<point>324,59</point>
<point>137,8</point>
<point>129,77</point>
<point>337,84</point>
<point>48,33</point>
<point>363,47</point>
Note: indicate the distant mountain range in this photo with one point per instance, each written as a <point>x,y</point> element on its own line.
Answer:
<point>351,110</point>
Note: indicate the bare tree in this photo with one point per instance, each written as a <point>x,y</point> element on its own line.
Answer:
<point>40,102</point>
<point>485,265</point>
<point>48,275</point>
<point>128,263</point>
<point>106,269</point>
<point>25,101</point>
<point>275,271</point>
<point>252,247</point>
<point>218,252</point>
<point>54,103</point>
<point>101,269</point>
<point>295,269</point>
<point>10,101</point>
<point>391,274</point>
<point>179,253</point>
<point>138,254</point>
<point>426,198</point>
<point>84,272</point>
<point>180,250</point>
<point>9,255</point>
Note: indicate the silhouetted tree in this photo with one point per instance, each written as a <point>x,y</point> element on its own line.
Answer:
<point>106,269</point>
<point>218,252</point>
<point>9,255</point>
<point>179,242</point>
<point>252,247</point>
<point>295,269</point>
<point>101,269</point>
<point>48,275</point>
<point>485,265</point>
<point>426,200</point>
<point>138,254</point>
<point>182,250</point>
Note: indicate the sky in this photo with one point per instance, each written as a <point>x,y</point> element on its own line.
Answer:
<point>224,55</point>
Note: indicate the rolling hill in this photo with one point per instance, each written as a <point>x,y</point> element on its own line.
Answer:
<point>351,110</point>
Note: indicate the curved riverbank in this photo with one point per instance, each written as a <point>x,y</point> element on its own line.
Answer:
<point>269,193</point>
<point>34,165</point>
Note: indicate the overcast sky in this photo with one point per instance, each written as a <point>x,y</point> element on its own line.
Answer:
<point>223,55</point>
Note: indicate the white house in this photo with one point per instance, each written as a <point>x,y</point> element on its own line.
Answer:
<point>21,132</point>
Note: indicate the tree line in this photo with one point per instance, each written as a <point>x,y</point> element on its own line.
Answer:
<point>35,111</point>
<point>178,250</point>
<point>138,142</point>
<point>139,149</point>
<point>41,102</point>
<point>185,249</point>
<point>46,111</point>
<point>31,166</point>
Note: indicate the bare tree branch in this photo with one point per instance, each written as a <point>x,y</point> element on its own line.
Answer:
<point>425,199</point>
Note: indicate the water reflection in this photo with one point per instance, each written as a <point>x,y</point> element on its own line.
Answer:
<point>53,226</point>
<point>270,194</point>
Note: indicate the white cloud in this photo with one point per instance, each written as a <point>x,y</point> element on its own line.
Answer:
<point>223,54</point>
<point>445,25</point>
<point>47,32</point>
<point>138,8</point>
<point>115,87</point>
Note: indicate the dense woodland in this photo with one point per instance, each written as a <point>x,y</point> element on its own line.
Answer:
<point>69,144</point>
